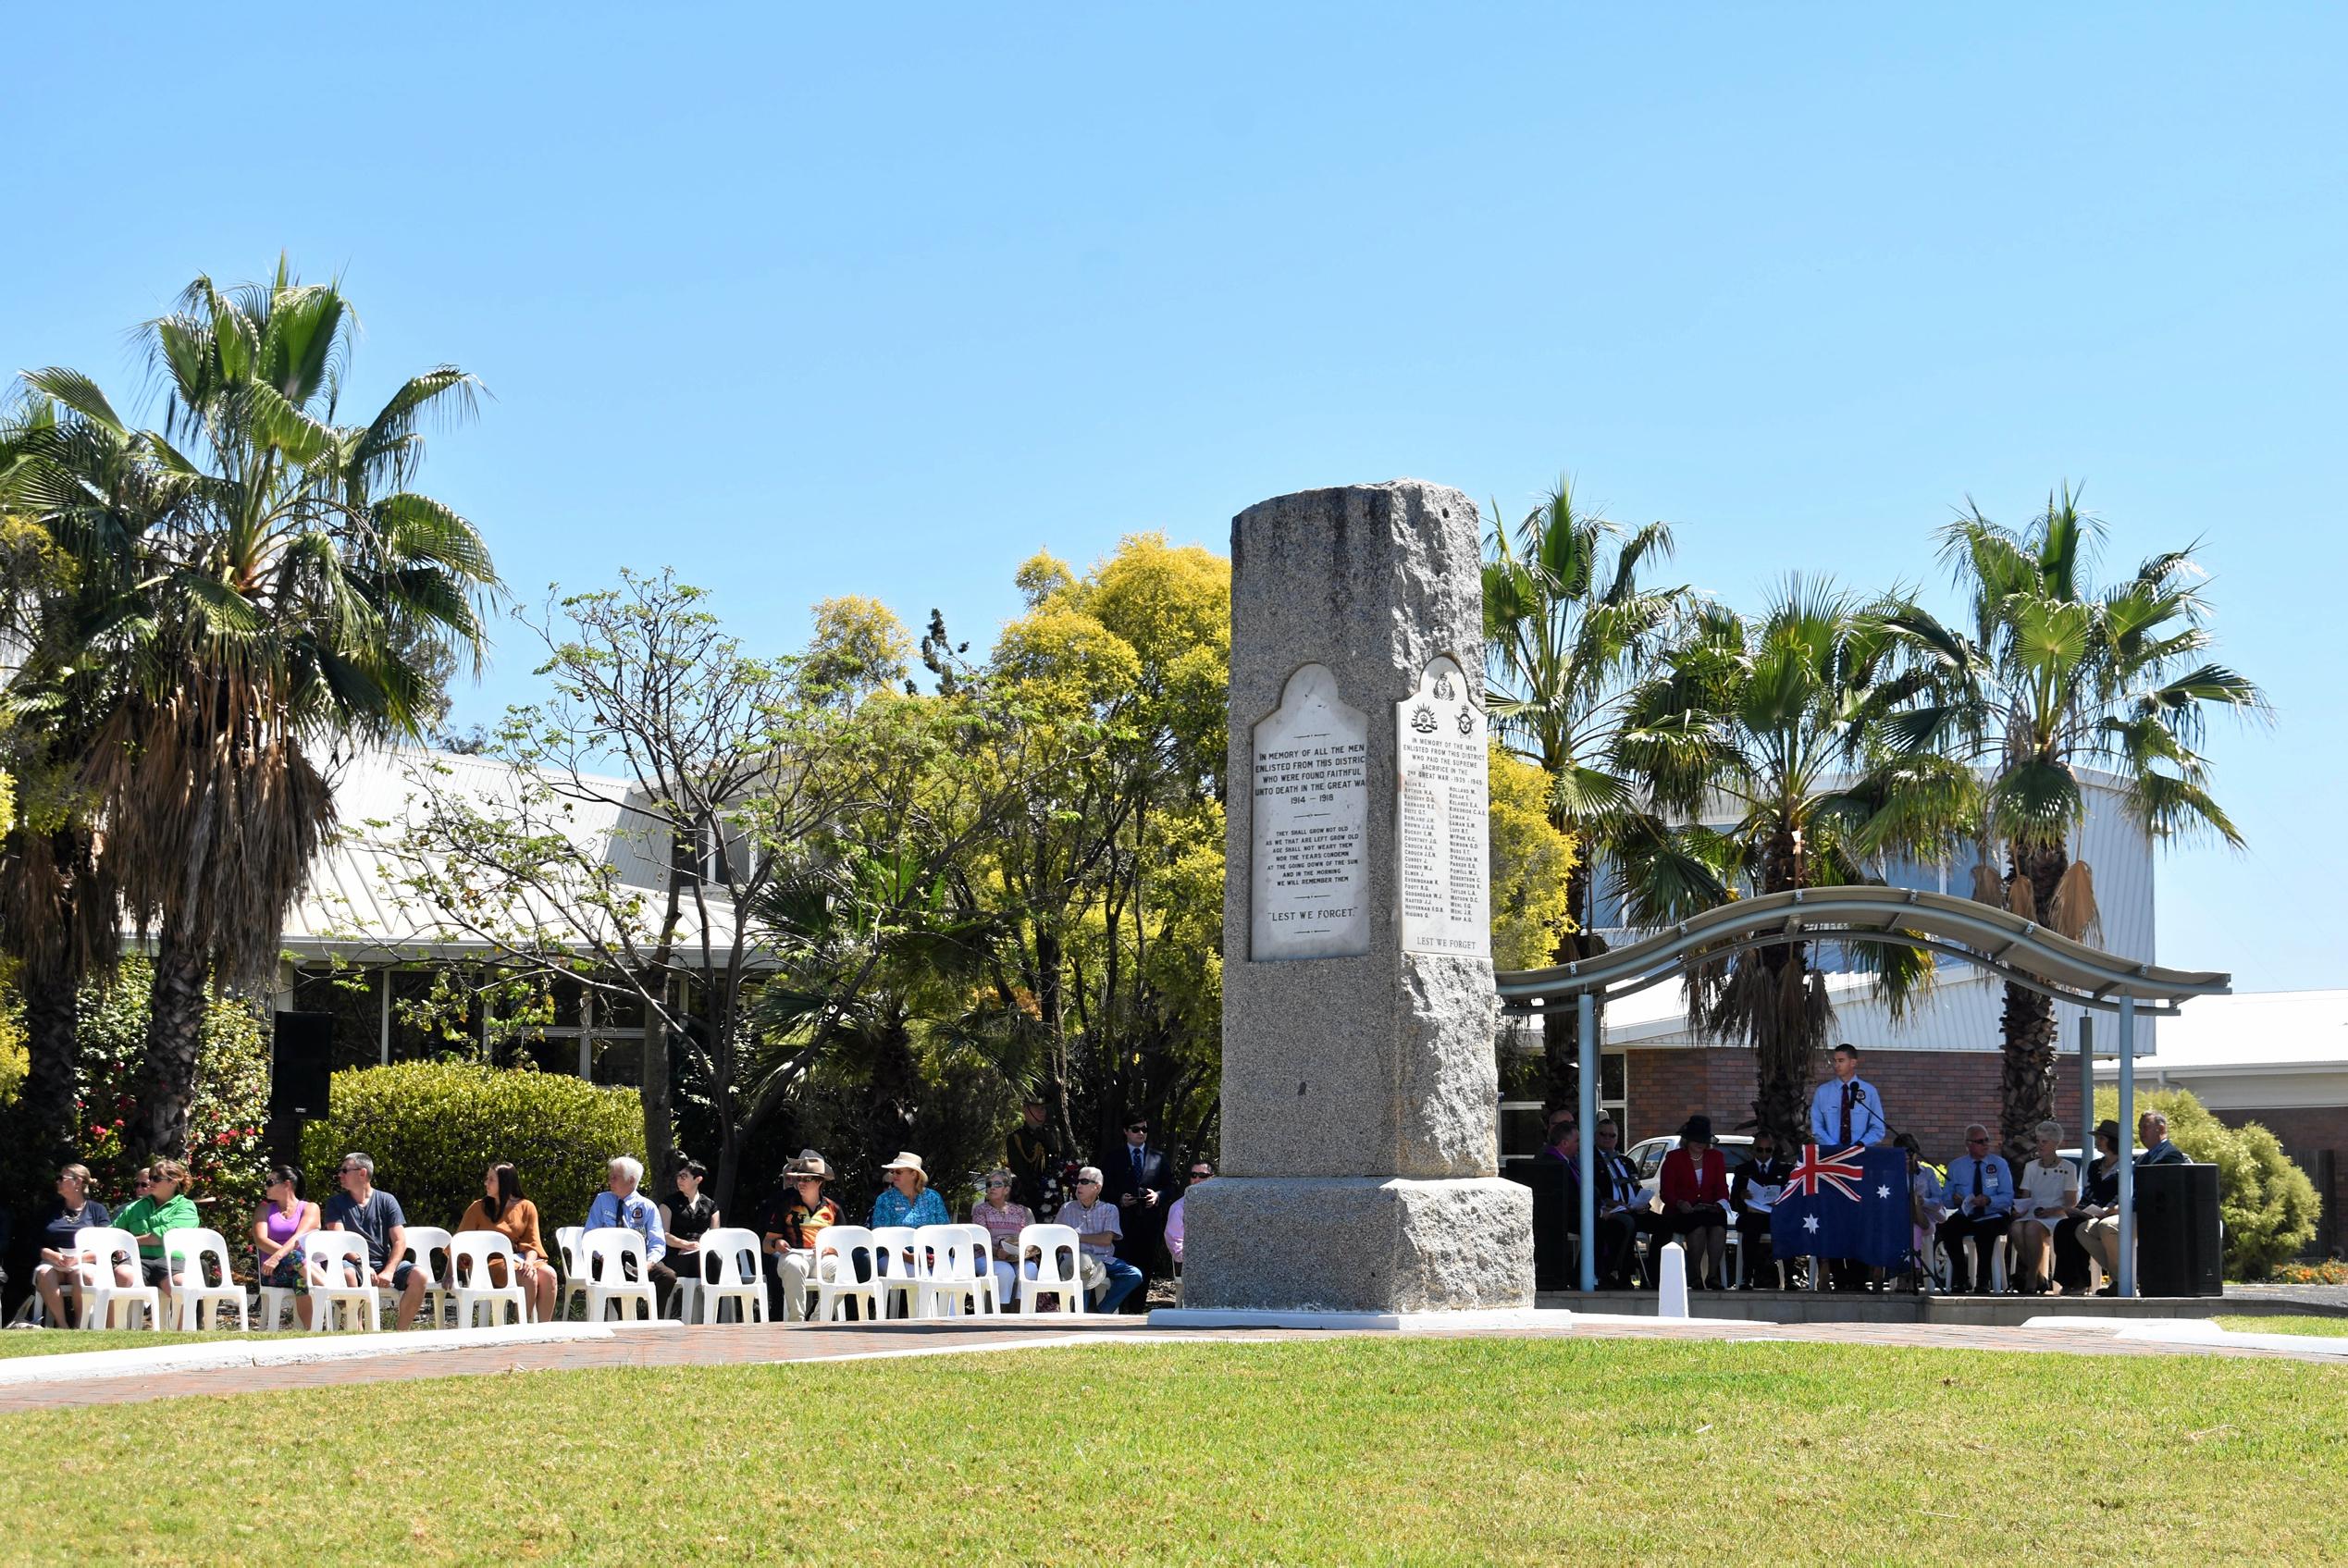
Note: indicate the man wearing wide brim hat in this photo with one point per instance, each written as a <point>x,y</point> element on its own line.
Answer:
<point>797,1215</point>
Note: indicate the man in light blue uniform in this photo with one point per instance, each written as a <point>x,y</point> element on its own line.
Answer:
<point>1980,1195</point>
<point>1846,1109</point>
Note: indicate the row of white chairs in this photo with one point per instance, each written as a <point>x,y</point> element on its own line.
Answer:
<point>941,1271</point>
<point>906,1271</point>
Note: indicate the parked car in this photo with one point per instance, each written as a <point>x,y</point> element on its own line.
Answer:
<point>1648,1155</point>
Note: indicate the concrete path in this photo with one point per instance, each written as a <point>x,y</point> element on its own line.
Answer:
<point>241,1367</point>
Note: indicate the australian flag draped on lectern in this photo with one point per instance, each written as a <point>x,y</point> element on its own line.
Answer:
<point>1852,1204</point>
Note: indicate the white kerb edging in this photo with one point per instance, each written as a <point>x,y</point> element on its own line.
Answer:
<point>278,1350</point>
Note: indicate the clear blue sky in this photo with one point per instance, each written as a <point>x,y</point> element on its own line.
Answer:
<point>805,305</point>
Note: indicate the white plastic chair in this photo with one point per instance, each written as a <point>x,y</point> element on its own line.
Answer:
<point>481,1302</point>
<point>569,1240</point>
<point>982,1261</point>
<point>950,1269</point>
<point>612,1252</point>
<point>835,1272</point>
<point>729,1266</point>
<point>328,1260</point>
<point>897,1269</point>
<point>195,1304</point>
<point>1943,1263</point>
<point>1058,1275</point>
<point>277,1304</point>
<point>685,1301</point>
<point>418,1245</point>
<point>97,1249</point>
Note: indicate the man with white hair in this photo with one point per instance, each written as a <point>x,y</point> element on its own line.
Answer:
<point>1980,1195</point>
<point>621,1207</point>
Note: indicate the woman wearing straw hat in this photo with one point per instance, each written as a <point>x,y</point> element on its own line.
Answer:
<point>906,1200</point>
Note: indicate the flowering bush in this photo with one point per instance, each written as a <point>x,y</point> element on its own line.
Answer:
<point>226,1120</point>
<point>2329,1272</point>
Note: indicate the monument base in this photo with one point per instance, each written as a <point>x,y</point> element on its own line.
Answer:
<point>1400,1322</point>
<point>1386,1246</point>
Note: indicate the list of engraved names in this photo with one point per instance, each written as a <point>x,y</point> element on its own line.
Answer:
<point>1443,820</point>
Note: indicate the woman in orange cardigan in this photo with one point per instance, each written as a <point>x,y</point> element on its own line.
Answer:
<point>503,1208</point>
<point>1695,1189</point>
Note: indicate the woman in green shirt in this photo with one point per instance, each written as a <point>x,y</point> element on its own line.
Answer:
<point>165,1207</point>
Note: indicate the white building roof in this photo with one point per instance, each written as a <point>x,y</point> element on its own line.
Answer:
<point>2264,1050</point>
<point>355,904</point>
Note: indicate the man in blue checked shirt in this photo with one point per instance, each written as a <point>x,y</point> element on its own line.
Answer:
<point>1980,1195</point>
<point>621,1207</point>
<point>1846,1109</point>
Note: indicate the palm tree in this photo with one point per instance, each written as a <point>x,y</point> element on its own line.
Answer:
<point>289,604</point>
<point>1568,633</point>
<point>2053,673</point>
<point>61,913</point>
<point>1763,739</point>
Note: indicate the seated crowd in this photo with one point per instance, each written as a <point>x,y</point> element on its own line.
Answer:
<point>2054,1220</point>
<point>1118,1244</point>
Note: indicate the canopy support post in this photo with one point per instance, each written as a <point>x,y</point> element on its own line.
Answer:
<point>2127,1143</point>
<point>1586,1025</point>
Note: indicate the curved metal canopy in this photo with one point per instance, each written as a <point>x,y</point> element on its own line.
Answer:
<point>2021,951</point>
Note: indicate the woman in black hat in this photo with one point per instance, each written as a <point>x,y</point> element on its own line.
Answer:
<point>2080,1237</point>
<point>1695,1194</point>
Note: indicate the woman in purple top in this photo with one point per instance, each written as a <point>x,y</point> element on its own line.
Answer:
<point>284,1218</point>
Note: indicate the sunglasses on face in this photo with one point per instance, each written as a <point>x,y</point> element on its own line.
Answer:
<point>1201,1174</point>
<point>1976,1142</point>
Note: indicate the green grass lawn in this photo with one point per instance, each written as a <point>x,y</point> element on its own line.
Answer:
<point>2294,1322</point>
<point>1355,1451</point>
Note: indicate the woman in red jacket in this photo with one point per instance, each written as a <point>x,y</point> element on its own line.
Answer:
<point>1695,1189</point>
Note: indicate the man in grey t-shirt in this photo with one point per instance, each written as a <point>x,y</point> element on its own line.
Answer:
<point>376,1218</point>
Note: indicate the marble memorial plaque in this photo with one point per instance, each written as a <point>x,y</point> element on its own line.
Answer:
<point>1443,812</point>
<point>1311,805</point>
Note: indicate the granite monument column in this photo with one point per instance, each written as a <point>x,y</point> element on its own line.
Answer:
<point>1360,1141</point>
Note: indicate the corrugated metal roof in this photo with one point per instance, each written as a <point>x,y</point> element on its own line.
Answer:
<point>360,902</point>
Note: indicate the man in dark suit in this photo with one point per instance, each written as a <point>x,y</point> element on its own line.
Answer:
<point>2152,1130</point>
<point>1140,1180</point>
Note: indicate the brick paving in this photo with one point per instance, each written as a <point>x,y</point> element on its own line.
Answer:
<point>759,1344</point>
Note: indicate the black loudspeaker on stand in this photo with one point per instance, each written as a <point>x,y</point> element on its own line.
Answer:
<point>302,1068</point>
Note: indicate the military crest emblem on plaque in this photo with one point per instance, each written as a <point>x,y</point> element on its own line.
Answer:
<point>1423,719</point>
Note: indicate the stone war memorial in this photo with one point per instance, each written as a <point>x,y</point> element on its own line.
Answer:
<point>1360,1142</point>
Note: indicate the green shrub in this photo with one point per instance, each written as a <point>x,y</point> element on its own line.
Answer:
<point>433,1129</point>
<point>2269,1205</point>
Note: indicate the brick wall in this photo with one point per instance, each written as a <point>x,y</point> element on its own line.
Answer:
<point>2300,1130</point>
<point>1931,1093</point>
